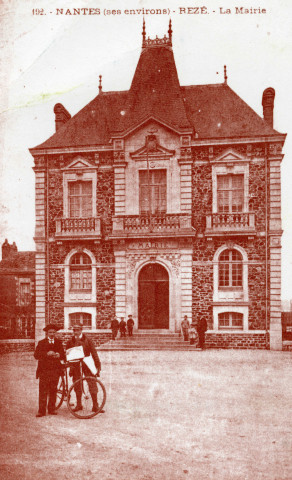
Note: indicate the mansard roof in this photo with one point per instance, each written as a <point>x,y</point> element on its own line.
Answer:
<point>155,91</point>
<point>206,111</point>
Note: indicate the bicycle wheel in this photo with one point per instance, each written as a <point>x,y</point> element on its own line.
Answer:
<point>60,392</point>
<point>93,397</point>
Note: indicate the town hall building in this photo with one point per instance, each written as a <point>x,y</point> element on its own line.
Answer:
<point>162,201</point>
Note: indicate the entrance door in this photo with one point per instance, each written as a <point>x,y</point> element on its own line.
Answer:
<point>153,297</point>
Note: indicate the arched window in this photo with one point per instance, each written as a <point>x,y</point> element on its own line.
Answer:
<point>230,269</point>
<point>80,317</point>
<point>230,320</point>
<point>80,272</point>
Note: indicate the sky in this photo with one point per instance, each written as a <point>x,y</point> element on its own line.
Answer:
<point>49,58</point>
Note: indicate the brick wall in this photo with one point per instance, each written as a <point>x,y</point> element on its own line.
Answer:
<point>98,337</point>
<point>10,346</point>
<point>240,340</point>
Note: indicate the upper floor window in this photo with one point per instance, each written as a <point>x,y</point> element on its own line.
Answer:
<point>152,186</point>
<point>80,317</point>
<point>230,193</point>
<point>24,293</point>
<point>80,199</point>
<point>80,272</point>
<point>230,269</point>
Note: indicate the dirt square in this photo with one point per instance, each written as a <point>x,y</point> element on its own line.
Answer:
<point>170,415</point>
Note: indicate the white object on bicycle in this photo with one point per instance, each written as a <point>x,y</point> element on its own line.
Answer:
<point>75,353</point>
<point>89,362</point>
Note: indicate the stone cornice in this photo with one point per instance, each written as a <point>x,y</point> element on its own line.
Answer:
<point>57,151</point>
<point>228,140</point>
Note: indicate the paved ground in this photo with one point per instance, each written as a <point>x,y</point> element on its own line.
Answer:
<point>219,414</point>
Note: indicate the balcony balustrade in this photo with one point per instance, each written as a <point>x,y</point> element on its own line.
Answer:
<point>234,223</point>
<point>152,225</point>
<point>78,227</point>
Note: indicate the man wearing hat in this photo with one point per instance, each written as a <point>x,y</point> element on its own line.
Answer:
<point>49,353</point>
<point>130,325</point>
<point>89,349</point>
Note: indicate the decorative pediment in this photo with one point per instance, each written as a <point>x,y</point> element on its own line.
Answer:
<point>229,156</point>
<point>152,149</point>
<point>79,163</point>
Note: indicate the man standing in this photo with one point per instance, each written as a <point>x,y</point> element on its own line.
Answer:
<point>115,324</point>
<point>130,325</point>
<point>185,325</point>
<point>79,339</point>
<point>202,328</point>
<point>123,327</point>
<point>49,352</point>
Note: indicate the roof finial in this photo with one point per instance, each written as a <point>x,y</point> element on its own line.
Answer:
<point>100,84</point>
<point>170,31</point>
<point>143,33</point>
<point>225,75</point>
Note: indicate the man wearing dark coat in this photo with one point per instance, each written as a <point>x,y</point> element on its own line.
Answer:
<point>49,353</point>
<point>201,329</point>
<point>123,327</point>
<point>115,325</point>
<point>130,325</point>
<point>80,339</point>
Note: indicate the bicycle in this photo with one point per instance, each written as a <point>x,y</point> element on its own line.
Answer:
<point>85,385</point>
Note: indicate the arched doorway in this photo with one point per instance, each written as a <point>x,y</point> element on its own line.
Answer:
<point>153,297</point>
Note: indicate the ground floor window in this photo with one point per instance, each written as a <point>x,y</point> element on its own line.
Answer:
<point>80,317</point>
<point>230,320</point>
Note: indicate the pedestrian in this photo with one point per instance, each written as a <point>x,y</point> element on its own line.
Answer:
<point>193,334</point>
<point>115,325</point>
<point>80,339</point>
<point>123,327</point>
<point>185,325</point>
<point>202,328</point>
<point>49,353</point>
<point>130,325</point>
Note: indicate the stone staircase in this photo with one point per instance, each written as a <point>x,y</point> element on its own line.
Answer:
<point>148,340</point>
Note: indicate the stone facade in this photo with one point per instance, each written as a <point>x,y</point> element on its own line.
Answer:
<point>151,215</point>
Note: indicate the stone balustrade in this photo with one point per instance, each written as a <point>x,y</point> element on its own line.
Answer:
<point>78,227</point>
<point>230,222</point>
<point>155,225</point>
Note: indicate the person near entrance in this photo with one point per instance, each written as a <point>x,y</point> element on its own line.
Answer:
<point>49,353</point>
<point>115,325</point>
<point>193,334</point>
<point>79,339</point>
<point>123,327</point>
<point>202,328</point>
<point>185,325</point>
<point>130,325</point>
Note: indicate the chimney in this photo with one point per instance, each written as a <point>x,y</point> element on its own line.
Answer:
<point>268,105</point>
<point>8,250</point>
<point>61,115</point>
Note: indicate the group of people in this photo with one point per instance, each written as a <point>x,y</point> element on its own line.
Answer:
<point>122,327</point>
<point>194,332</point>
<point>50,354</point>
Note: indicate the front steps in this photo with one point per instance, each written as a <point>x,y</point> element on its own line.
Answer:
<point>148,340</point>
